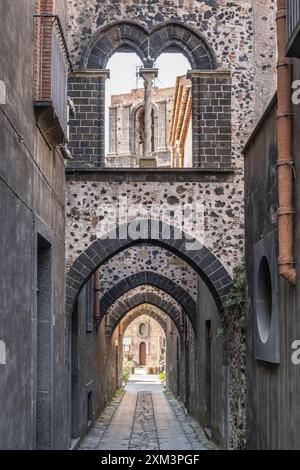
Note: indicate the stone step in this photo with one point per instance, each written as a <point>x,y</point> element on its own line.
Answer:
<point>140,371</point>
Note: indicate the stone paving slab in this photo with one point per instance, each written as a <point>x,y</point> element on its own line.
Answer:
<point>145,418</point>
<point>118,433</point>
<point>95,435</point>
<point>144,433</point>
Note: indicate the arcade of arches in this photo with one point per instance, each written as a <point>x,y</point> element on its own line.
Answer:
<point>115,278</point>
<point>113,272</point>
<point>155,267</point>
<point>152,238</point>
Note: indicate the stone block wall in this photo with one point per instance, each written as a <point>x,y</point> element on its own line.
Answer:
<point>124,146</point>
<point>87,139</point>
<point>32,192</point>
<point>96,367</point>
<point>240,34</point>
<point>211,118</point>
<point>141,295</point>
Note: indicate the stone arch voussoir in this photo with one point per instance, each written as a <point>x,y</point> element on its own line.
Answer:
<point>201,259</point>
<point>148,44</point>
<point>136,313</point>
<point>153,279</point>
<point>118,310</point>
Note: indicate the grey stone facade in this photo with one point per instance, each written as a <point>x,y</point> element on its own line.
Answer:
<point>271,370</point>
<point>60,330</point>
<point>147,341</point>
<point>32,192</point>
<point>231,71</point>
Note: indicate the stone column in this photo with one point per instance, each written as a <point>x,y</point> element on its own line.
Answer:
<point>148,75</point>
<point>113,140</point>
<point>162,125</point>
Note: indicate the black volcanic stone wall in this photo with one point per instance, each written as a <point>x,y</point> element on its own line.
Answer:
<point>87,138</point>
<point>211,121</point>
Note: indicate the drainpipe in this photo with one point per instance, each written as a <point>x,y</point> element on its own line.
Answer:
<point>286,260</point>
<point>97,296</point>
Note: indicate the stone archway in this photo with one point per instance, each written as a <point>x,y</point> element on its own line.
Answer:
<point>155,232</point>
<point>126,304</point>
<point>148,44</point>
<point>150,312</point>
<point>153,279</point>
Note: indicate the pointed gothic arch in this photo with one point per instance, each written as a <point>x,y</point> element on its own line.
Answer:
<point>133,315</point>
<point>124,304</point>
<point>153,279</point>
<point>154,232</point>
<point>148,44</point>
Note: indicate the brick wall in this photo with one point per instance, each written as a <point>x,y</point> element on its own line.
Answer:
<point>87,138</point>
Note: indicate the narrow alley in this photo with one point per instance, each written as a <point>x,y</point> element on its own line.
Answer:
<point>145,418</point>
<point>149,226</point>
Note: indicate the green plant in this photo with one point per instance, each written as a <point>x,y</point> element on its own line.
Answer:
<point>163,377</point>
<point>125,376</point>
<point>234,306</point>
<point>119,393</point>
<point>234,330</point>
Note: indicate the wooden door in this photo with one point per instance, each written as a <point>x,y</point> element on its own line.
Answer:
<point>142,354</point>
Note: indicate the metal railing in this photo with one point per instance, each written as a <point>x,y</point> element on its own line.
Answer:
<point>53,66</point>
<point>59,75</point>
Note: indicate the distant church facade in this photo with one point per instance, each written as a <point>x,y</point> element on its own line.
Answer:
<point>127,128</point>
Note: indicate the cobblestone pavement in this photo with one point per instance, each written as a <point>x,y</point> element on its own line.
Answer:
<point>145,418</point>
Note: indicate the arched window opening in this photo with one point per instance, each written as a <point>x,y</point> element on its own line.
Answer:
<point>175,131</point>
<point>148,112</point>
<point>124,138</point>
<point>187,116</point>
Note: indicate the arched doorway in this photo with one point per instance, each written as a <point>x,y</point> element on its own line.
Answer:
<point>154,279</point>
<point>142,354</point>
<point>211,272</point>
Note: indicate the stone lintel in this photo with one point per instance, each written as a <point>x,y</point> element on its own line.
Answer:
<point>214,175</point>
<point>207,73</point>
<point>101,73</point>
